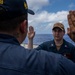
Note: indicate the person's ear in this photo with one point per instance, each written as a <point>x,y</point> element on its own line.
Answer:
<point>23,26</point>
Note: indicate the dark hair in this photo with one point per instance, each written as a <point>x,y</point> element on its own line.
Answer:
<point>11,24</point>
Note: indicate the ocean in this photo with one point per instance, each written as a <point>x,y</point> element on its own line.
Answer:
<point>40,38</point>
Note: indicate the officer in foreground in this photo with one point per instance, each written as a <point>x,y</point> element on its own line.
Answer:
<point>15,59</point>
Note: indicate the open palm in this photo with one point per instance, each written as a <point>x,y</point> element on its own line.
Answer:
<point>71,22</point>
<point>31,32</point>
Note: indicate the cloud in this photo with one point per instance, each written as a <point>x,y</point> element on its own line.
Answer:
<point>37,4</point>
<point>44,21</point>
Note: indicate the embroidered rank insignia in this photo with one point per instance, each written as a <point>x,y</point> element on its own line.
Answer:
<point>65,45</point>
<point>52,45</point>
<point>25,5</point>
<point>1,1</point>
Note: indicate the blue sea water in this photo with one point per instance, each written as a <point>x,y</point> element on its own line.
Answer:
<point>40,38</point>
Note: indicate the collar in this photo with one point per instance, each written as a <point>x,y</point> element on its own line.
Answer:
<point>52,44</point>
<point>8,39</point>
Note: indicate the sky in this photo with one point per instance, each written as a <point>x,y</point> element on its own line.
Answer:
<point>48,12</point>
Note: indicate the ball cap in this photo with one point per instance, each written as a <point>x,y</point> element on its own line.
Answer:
<point>10,9</point>
<point>58,25</point>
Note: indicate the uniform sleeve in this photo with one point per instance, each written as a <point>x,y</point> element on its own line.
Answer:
<point>65,67</point>
<point>41,47</point>
<point>56,64</point>
<point>73,54</point>
<point>44,46</point>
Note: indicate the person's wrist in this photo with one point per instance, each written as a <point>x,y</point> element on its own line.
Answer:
<point>30,39</point>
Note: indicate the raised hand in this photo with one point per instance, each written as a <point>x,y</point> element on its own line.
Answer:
<point>71,22</point>
<point>31,33</point>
